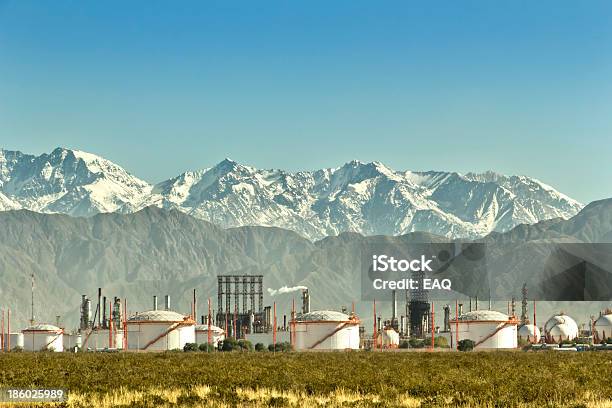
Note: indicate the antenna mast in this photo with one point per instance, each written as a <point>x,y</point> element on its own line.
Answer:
<point>32,315</point>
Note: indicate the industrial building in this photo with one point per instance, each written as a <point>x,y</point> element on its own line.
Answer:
<point>559,328</point>
<point>488,329</point>
<point>43,337</point>
<point>110,328</point>
<point>326,330</point>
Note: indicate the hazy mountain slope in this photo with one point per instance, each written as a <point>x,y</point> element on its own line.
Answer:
<point>157,252</point>
<point>368,198</point>
<point>592,224</point>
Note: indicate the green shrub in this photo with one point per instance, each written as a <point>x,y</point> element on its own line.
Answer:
<point>207,347</point>
<point>439,341</point>
<point>245,345</point>
<point>229,344</point>
<point>190,347</point>
<point>416,343</point>
<point>283,346</point>
<point>466,345</point>
<point>260,347</point>
<point>432,379</point>
<point>404,344</point>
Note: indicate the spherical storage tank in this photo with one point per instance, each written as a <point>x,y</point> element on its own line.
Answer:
<point>159,330</point>
<point>489,329</point>
<point>603,327</point>
<point>42,337</point>
<point>560,327</point>
<point>326,330</point>
<point>530,333</point>
<point>201,333</point>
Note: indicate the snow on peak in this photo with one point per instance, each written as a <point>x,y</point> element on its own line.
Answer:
<point>368,198</point>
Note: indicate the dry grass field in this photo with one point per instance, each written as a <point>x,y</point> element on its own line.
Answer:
<point>354,379</point>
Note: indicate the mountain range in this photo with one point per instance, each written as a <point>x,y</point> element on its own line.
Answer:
<point>156,252</point>
<point>366,198</point>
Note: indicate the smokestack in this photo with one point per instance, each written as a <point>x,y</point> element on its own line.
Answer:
<point>154,302</point>
<point>195,307</point>
<point>524,317</point>
<point>393,308</point>
<point>476,301</point>
<point>284,322</point>
<point>117,313</point>
<point>167,302</point>
<point>104,325</point>
<point>202,319</point>
<point>305,301</point>
<point>85,312</point>
<point>446,318</point>
<point>268,317</point>
<point>32,316</point>
<point>99,305</point>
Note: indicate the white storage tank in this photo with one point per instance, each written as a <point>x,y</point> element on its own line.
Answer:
<point>103,339</point>
<point>42,337</point>
<point>201,332</point>
<point>559,328</point>
<point>72,341</point>
<point>16,340</point>
<point>603,327</point>
<point>159,330</point>
<point>326,330</point>
<point>488,329</point>
<point>530,333</point>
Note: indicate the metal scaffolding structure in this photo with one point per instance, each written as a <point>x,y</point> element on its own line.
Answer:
<point>236,301</point>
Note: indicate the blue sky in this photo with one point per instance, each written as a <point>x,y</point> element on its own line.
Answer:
<point>520,87</point>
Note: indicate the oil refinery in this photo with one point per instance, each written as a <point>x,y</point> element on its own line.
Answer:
<point>240,314</point>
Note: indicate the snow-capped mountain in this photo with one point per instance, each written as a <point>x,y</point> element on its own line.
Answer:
<point>7,204</point>
<point>368,198</point>
<point>67,181</point>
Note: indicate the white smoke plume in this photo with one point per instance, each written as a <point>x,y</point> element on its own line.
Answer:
<point>285,289</point>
